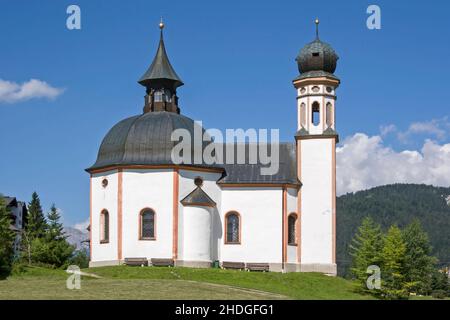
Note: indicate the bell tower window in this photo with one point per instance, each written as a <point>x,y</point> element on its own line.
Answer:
<point>315,113</point>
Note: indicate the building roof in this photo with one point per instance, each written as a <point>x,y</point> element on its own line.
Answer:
<point>316,74</point>
<point>316,56</point>
<point>10,201</point>
<point>146,140</point>
<point>251,173</point>
<point>198,197</point>
<point>161,70</point>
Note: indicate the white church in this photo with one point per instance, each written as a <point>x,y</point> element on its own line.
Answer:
<point>147,210</point>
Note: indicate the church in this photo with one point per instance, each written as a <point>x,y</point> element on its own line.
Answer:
<point>147,209</point>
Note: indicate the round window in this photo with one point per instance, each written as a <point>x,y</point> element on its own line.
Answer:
<point>198,181</point>
<point>104,183</point>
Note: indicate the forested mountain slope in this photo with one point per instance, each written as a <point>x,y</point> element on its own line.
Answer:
<point>395,204</point>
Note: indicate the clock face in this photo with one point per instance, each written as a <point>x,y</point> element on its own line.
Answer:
<point>315,89</point>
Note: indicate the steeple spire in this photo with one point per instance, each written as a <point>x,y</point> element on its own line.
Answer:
<point>161,81</point>
<point>317,28</point>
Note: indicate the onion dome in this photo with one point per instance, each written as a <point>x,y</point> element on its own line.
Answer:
<point>317,58</point>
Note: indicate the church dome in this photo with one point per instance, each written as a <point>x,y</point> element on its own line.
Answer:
<point>145,140</point>
<point>317,56</point>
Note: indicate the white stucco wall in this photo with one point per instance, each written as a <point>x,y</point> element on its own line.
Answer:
<point>260,210</point>
<point>196,233</point>
<point>147,188</point>
<point>316,215</point>
<point>292,251</point>
<point>186,186</point>
<point>104,198</point>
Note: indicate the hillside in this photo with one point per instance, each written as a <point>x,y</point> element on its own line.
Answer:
<point>122,282</point>
<point>395,204</point>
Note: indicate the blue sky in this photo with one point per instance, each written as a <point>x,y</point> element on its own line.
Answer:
<point>237,61</point>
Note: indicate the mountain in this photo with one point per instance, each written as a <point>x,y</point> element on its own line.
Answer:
<point>76,237</point>
<point>395,204</point>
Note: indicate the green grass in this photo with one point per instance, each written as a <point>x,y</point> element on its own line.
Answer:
<point>122,282</point>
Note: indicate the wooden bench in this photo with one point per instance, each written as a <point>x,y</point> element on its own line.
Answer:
<point>162,262</point>
<point>258,267</point>
<point>233,265</point>
<point>136,262</point>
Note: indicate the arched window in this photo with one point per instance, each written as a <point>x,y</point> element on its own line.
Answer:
<point>292,220</point>
<point>329,114</point>
<point>315,113</point>
<point>232,228</point>
<point>104,226</point>
<point>147,225</point>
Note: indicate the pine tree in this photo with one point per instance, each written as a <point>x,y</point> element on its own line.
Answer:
<point>393,284</point>
<point>419,264</point>
<point>7,237</point>
<point>55,228</point>
<point>53,248</point>
<point>365,249</point>
<point>36,224</point>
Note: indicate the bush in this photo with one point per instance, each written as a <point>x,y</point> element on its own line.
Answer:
<point>80,258</point>
<point>439,294</point>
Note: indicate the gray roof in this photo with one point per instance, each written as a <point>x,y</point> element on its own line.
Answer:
<point>315,74</point>
<point>160,69</point>
<point>251,173</point>
<point>198,197</point>
<point>329,132</point>
<point>144,140</point>
<point>317,55</point>
<point>10,201</point>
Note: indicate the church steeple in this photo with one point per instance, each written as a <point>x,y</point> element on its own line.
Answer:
<point>161,82</point>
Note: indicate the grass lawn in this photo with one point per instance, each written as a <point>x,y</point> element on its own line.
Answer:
<point>122,282</point>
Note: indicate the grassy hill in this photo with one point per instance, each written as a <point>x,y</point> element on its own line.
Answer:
<point>395,204</point>
<point>122,282</point>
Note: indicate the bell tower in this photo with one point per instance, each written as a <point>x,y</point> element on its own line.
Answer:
<point>316,154</point>
<point>161,82</point>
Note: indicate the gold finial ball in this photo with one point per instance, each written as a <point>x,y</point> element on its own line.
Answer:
<point>317,21</point>
<point>161,25</point>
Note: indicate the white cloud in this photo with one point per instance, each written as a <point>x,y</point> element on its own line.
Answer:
<point>82,225</point>
<point>437,128</point>
<point>385,130</point>
<point>11,92</point>
<point>364,162</point>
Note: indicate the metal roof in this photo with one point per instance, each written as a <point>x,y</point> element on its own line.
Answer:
<point>317,55</point>
<point>251,173</point>
<point>198,197</point>
<point>315,74</point>
<point>146,140</point>
<point>160,69</point>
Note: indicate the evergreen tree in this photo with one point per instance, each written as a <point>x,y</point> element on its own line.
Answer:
<point>53,248</point>
<point>440,284</point>
<point>55,228</point>
<point>36,224</point>
<point>365,249</point>
<point>419,264</point>
<point>7,237</point>
<point>393,284</point>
